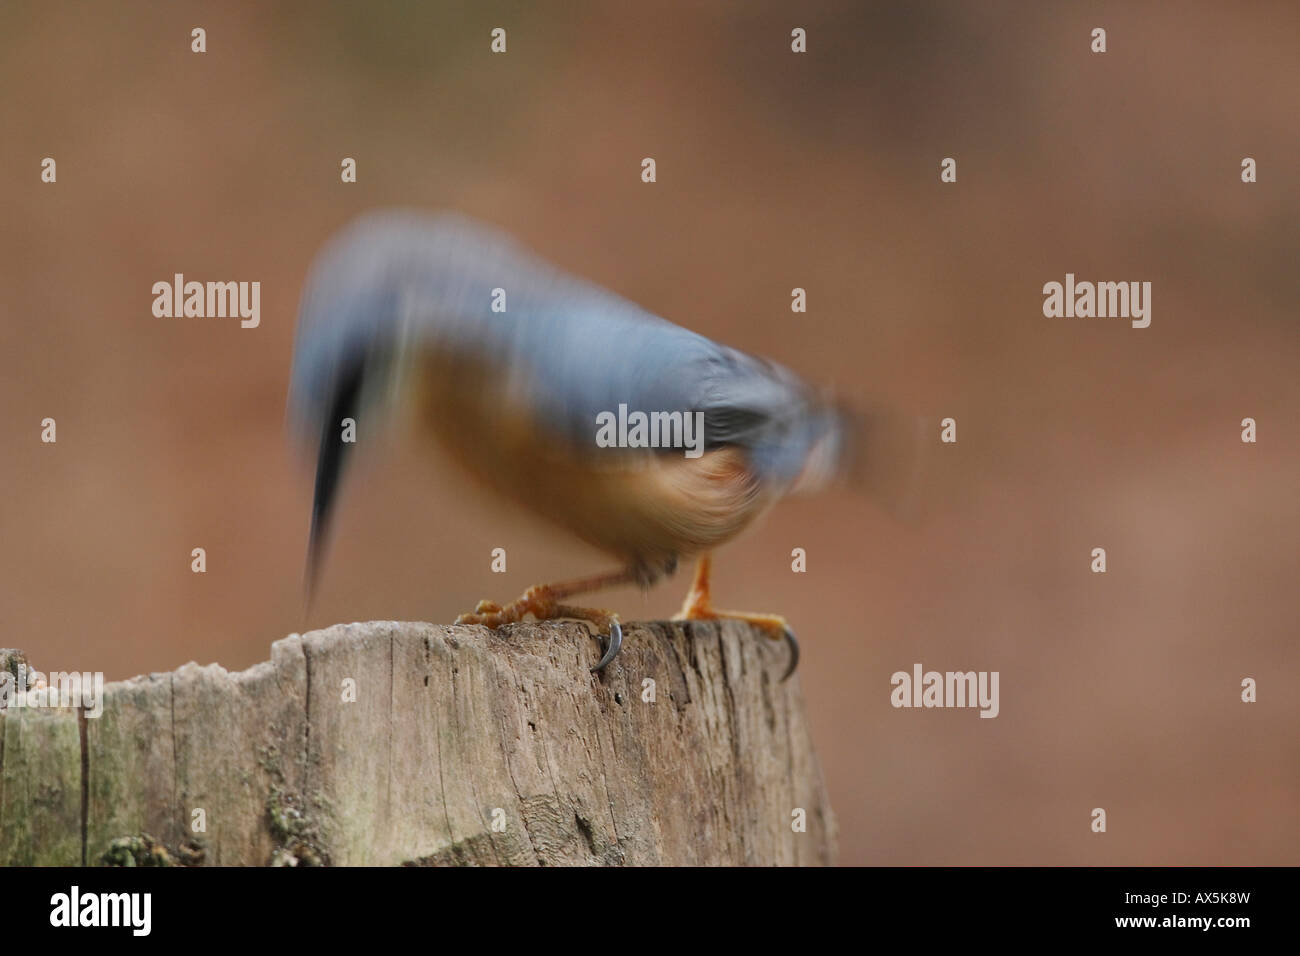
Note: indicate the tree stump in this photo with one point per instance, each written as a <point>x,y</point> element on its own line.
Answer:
<point>401,743</point>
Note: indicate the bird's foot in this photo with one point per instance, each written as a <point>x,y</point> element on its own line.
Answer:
<point>777,628</point>
<point>605,621</point>
<point>542,602</point>
<point>538,601</point>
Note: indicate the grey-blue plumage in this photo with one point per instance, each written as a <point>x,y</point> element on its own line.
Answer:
<point>394,281</point>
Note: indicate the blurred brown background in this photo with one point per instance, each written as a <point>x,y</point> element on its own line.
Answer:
<point>775,170</point>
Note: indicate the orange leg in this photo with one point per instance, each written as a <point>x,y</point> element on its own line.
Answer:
<point>542,601</point>
<point>698,606</point>
<point>698,603</point>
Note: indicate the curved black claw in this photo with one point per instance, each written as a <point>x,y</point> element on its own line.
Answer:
<point>794,654</point>
<point>615,645</point>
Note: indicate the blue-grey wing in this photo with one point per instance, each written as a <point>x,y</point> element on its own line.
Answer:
<point>399,280</point>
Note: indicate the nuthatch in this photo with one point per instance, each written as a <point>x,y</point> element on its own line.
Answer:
<point>517,368</point>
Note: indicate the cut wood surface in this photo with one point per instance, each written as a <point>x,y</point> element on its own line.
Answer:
<point>402,743</point>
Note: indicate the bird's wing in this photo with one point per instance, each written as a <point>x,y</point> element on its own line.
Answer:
<point>568,349</point>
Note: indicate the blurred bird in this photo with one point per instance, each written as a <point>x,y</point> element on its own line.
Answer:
<point>399,309</point>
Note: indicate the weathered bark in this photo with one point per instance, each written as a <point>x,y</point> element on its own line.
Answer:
<point>461,746</point>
